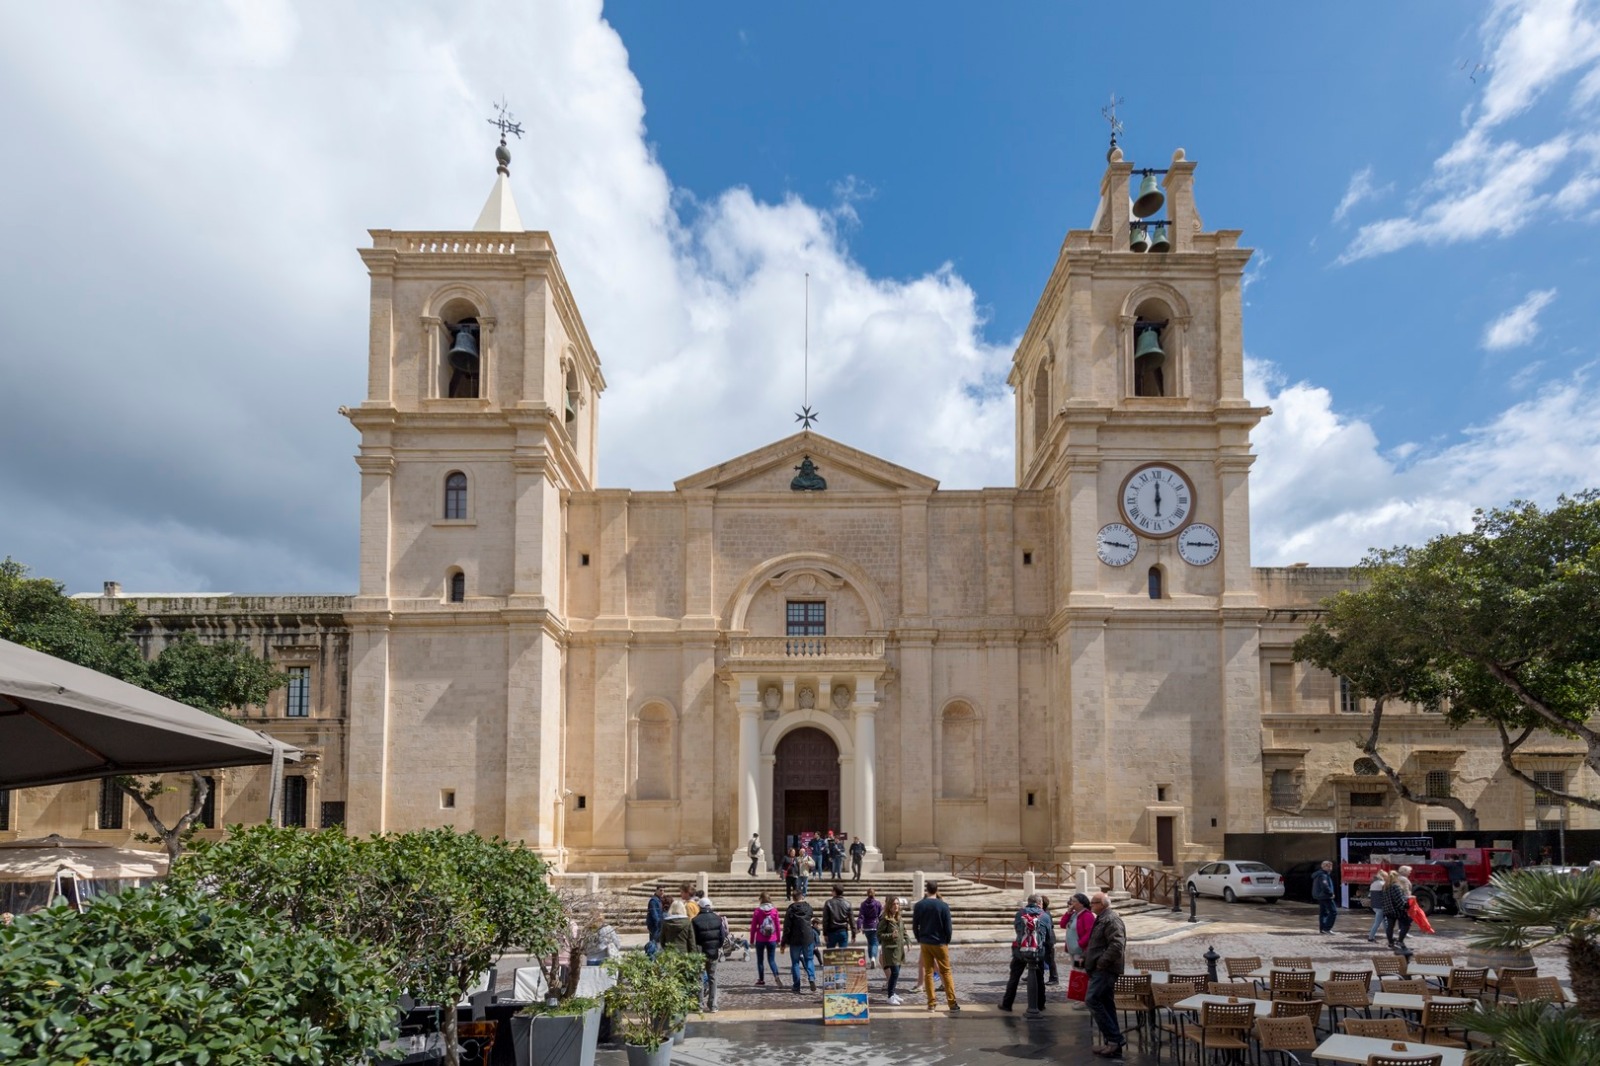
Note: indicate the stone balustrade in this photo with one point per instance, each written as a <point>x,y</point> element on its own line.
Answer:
<point>810,648</point>
<point>457,242</point>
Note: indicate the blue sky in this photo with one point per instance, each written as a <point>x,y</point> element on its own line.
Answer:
<point>1421,183</point>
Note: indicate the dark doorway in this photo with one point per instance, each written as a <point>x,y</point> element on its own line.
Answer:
<point>805,784</point>
<point>1164,841</point>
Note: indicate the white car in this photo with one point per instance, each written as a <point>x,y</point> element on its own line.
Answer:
<point>1237,880</point>
<point>1476,903</point>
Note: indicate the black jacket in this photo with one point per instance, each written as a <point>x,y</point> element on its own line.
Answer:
<point>708,927</point>
<point>838,914</point>
<point>797,930</point>
<point>930,921</point>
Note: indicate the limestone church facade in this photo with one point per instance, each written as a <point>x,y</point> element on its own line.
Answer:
<point>1082,667</point>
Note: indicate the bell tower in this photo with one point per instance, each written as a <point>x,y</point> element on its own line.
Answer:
<point>1131,415</point>
<point>481,418</point>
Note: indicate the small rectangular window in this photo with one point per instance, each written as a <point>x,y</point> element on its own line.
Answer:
<point>1367,799</point>
<point>583,559</point>
<point>5,808</point>
<point>333,814</point>
<point>1027,558</point>
<point>297,702</point>
<point>583,802</point>
<point>111,804</point>
<point>1030,799</point>
<point>1544,779</point>
<point>294,801</point>
<point>1445,826</point>
<point>1437,784</point>
<point>806,618</point>
<point>447,799</point>
<point>1349,702</point>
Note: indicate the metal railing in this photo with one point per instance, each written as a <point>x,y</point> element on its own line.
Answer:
<point>998,873</point>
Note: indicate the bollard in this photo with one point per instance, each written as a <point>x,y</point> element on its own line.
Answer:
<point>1194,898</point>
<point>1119,879</point>
<point>1030,883</point>
<point>1177,898</point>
<point>593,886</point>
<point>918,878</point>
<point>703,882</point>
<point>1211,958</point>
<point>1084,877</point>
<point>1088,877</point>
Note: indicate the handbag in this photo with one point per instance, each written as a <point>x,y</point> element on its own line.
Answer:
<point>1077,985</point>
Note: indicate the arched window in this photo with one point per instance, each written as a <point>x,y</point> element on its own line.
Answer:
<point>455,495</point>
<point>958,745</point>
<point>1155,582</point>
<point>653,754</point>
<point>458,587</point>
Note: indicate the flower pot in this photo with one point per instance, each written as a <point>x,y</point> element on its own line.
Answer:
<point>555,1039</point>
<point>639,1055</point>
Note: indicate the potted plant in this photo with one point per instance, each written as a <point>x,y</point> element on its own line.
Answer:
<point>564,1029</point>
<point>650,998</point>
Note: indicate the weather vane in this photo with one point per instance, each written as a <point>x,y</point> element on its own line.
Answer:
<point>503,122</point>
<point>807,415</point>
<point>1109,113</point>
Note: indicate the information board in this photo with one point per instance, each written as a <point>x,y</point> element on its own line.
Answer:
<point>844,986</point>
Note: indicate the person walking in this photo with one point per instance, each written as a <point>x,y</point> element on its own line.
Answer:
<point>892,938</point>
<point>1397,912</point>
<point>653,918</point>
<point>870,915</point>
<point>1102,957</point>
<point>710,930</point>
<point>754,848</point>
<point>835,857</point>
<point>1050,951</point>
<point>1375,901</point>
<point>1322,892</point>
<point>789,870</point>
<point>798,940</point>
<point>838,920</point>
<point>930,924</point>
<point>817,853</point>
<point>1033,930</point>
<point>858,851</point>
<point>807,868</point>
<point>766,929</point>
<point>677,934</point>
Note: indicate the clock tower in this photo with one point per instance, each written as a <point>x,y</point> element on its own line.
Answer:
<point>1131,415</point>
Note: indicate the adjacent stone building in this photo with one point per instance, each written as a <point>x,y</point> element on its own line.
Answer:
<point>1081,667</point>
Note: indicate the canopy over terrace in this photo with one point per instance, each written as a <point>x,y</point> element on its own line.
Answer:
<point>62,722</point>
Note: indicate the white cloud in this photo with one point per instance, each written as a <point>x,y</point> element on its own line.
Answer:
<point>1519,325</point>
<point>1360,189</point>
<point>1324,492</point>
<point>1489,185</point>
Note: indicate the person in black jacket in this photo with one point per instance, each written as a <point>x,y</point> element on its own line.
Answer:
<point>798,939</point>
<point>710,930</point>
<point>838,920</point>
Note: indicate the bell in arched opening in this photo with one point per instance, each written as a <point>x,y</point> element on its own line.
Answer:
<point>1159,241</point>
<point>463,359</point>
<point>1150,198</point>
<point>1139,240</point>
<point>1149,362</point>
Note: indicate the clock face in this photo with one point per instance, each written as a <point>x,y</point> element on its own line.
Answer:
<point>1198,544</point>
<point>1116,545</point>
<point>1157,500</point>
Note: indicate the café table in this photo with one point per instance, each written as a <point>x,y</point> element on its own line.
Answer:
<point>1341,1047</point>
<point>1322,973</point>
<point>1410,1002</point>
<point>1194,1003</point>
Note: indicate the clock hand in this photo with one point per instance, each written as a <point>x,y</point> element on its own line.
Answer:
<point>1158,499</point>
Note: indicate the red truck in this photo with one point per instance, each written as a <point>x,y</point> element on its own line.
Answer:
<point>1436,876</point>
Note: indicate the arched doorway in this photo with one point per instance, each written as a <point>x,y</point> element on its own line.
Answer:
<point>805,784</point>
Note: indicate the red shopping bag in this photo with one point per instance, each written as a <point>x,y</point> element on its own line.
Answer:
<point>1077,985</point>
<point>1418,919</point>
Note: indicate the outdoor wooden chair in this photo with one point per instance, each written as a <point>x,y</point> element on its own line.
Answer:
<point>1400,1058</point>
<point>1151,965</point>
<point>1425,958</point>
<point>1293,984</point>
<point>1292,962</point>
<point>1239,989</point>
<point>1131,995</point>
<point>1547,989</point>
<point>1503,981</point>
<point>1194,982</point>
<point>1364,976</point>
<point>1384,965</point>
<point>1468,983</point>
<point>1169,1020</point>
<point>476,1040</point>
<point>1285,1036</point>
<point>1240,966</point>
<point>1381,1028</point>
<point>1223,1027</point>
<point>1346,996</point>
<point>1437,1021</point>
<point>1414,986</point>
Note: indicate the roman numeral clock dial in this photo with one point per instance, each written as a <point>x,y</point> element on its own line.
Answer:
<point>1157,500</point>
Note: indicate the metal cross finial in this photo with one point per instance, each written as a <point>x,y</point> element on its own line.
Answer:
<point>1109,113</point>
<point>806,417</point>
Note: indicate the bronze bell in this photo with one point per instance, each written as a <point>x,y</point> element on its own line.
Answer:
<point>1149,345</point>
<point>1150,198</point>
<point>1139,241</point>
<point>1159,241</point>
<point>464,349</point>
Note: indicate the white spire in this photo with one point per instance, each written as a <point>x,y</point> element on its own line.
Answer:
<point>499,214</point>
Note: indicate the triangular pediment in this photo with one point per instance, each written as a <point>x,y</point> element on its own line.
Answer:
<point>772,469</point>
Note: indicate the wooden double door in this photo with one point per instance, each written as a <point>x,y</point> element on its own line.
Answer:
<point>805,784</point>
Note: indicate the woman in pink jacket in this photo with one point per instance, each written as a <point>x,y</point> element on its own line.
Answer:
<point>766,929</point>
<point>1077,922</point>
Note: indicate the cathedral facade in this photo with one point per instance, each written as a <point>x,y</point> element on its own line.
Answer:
<point>1082,667</point>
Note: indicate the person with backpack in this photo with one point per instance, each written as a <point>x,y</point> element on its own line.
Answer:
<point>838,920</point>
<point>765,932</point>
<point>798,940</point>
<point>867,921</point>
<point>1050,950</point>
<point>1028,950</point>
<point>754,850</point>
<point>710,930</point>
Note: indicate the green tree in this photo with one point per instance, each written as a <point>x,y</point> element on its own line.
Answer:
<point>168,974</point>
<point>437,906</point>
<point>1537,907</point>
<point>216,678</point>
<point>1497,624</point>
